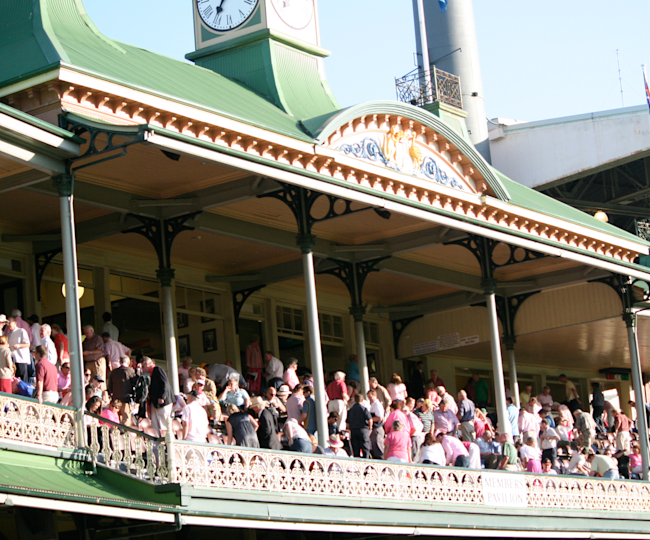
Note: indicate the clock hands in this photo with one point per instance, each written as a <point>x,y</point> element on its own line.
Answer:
<point>220,7</point>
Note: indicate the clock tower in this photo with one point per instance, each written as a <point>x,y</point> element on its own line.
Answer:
<point>271,46</point>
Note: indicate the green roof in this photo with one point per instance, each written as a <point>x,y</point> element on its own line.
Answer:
<point>534,200</point>
<point>75,480</point>
<point>37,35</point>
<point>41,124</point>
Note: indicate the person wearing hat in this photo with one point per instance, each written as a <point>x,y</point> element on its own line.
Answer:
<point>96,382</point>
<point>195,419</point>
<point>283,394</point>
<point>267,430</point>
<point>335,447</point>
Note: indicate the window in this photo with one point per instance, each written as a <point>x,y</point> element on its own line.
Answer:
<point>133,286</point>
<point>331,328</point>
<point>199,301</point>
<point>290,321</point>
<point>371,332</point>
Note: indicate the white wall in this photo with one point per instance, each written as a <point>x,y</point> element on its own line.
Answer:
<point>538,153</point>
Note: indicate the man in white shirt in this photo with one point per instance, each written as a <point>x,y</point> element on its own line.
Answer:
<point>109,327</point>
<point>114,350</point>
<point>46,341</point>
<point>195,419</point>
<point>274,367</point>
<point>548,439</point>
<point>19,345</point>
<point>35,332</point>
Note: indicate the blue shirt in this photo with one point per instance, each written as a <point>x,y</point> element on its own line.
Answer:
<point>309,407</point>
<point>238,398</point>
<point>25,389</point>
<point>513,416</point>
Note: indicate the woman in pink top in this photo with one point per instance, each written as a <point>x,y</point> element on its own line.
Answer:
<point>112,411</point>
<point>395,414</point>
<point>397,389</point>
<point>397,445</point>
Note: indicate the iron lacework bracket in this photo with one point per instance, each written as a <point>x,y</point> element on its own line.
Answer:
<point>162,233</point>
<point>483,250</point>
<point>399,326</point>
<point>301,203</point>
<point>101,140</point>
<point>42,260</point>
<point>239,299</point>
<point>353,276</point>
<point>507,308</point>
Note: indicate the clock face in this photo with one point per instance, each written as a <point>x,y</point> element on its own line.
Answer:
<point>296,13</point>
<point>224,15</point>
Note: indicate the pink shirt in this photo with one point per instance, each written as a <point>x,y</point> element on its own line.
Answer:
<point>529,422</point>
<point>635,460</point>
<point>397,392</point>
<point>453,448</point>
<point>290,378</point>
<point>110,415</point>
<point>395,415</point>
<point>398,444</point>
<point>445,422</point>
<point>545,401</point>
<point>415,424</point>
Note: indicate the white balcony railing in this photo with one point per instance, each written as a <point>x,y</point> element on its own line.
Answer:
<point>161,461</point>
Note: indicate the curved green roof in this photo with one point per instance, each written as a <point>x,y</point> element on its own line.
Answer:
<point>37,35</point>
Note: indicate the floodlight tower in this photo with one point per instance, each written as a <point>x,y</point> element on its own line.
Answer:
<point>453,47</point>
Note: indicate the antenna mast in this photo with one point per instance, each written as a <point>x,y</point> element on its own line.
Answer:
<point>620,78</point>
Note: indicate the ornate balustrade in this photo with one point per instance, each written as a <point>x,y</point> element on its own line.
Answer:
<point>25,420</point>
<point>160,461</point>
<point>419,88</point>
<point>128,450</point>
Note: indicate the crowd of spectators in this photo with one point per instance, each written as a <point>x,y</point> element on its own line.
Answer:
<point>273,407</point>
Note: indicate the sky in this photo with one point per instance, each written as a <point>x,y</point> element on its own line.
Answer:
<point>538,59</point>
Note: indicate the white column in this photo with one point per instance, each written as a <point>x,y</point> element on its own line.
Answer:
<point>166,275</point>
<point>512,370</point>
<point>637,382</point>
<point>497,362</point>
<point>64,183</point>
<point>306,243</point>
<point>361,356</point>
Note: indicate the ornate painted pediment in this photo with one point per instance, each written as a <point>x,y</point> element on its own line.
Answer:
<point>408,152</point>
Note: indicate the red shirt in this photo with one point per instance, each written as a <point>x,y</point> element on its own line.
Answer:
<point>60,338</point>
<point>336,389</point>
<point>47,372</point>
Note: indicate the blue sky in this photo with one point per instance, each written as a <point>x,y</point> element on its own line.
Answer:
<point>538,59</point>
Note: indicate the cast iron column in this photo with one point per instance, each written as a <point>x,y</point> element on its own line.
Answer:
<point>637,383</point>
<point>357,313</point>
<point>306,244</point>
<point>512,369</point>
<point>65,185</point>
<point>489,286</point>
<point>166,276</point>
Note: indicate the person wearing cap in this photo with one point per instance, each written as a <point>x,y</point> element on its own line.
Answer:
<point>604,465</point>
<point>194,419</point>
<point>283,394</point>
<point>47,377</point>
<point>7,367</point>
<point>97,382</point>
<point>424,411</point>
<point>267,430</point>
<point>335,447</point>
<point>19,345</point>
<point>114,351</point>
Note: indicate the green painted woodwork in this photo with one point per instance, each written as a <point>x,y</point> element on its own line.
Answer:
<point>74,479</point>
<point>41,124</point>
<point>287,73</point>
<point>453,117</point>
<point>37,35</point>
